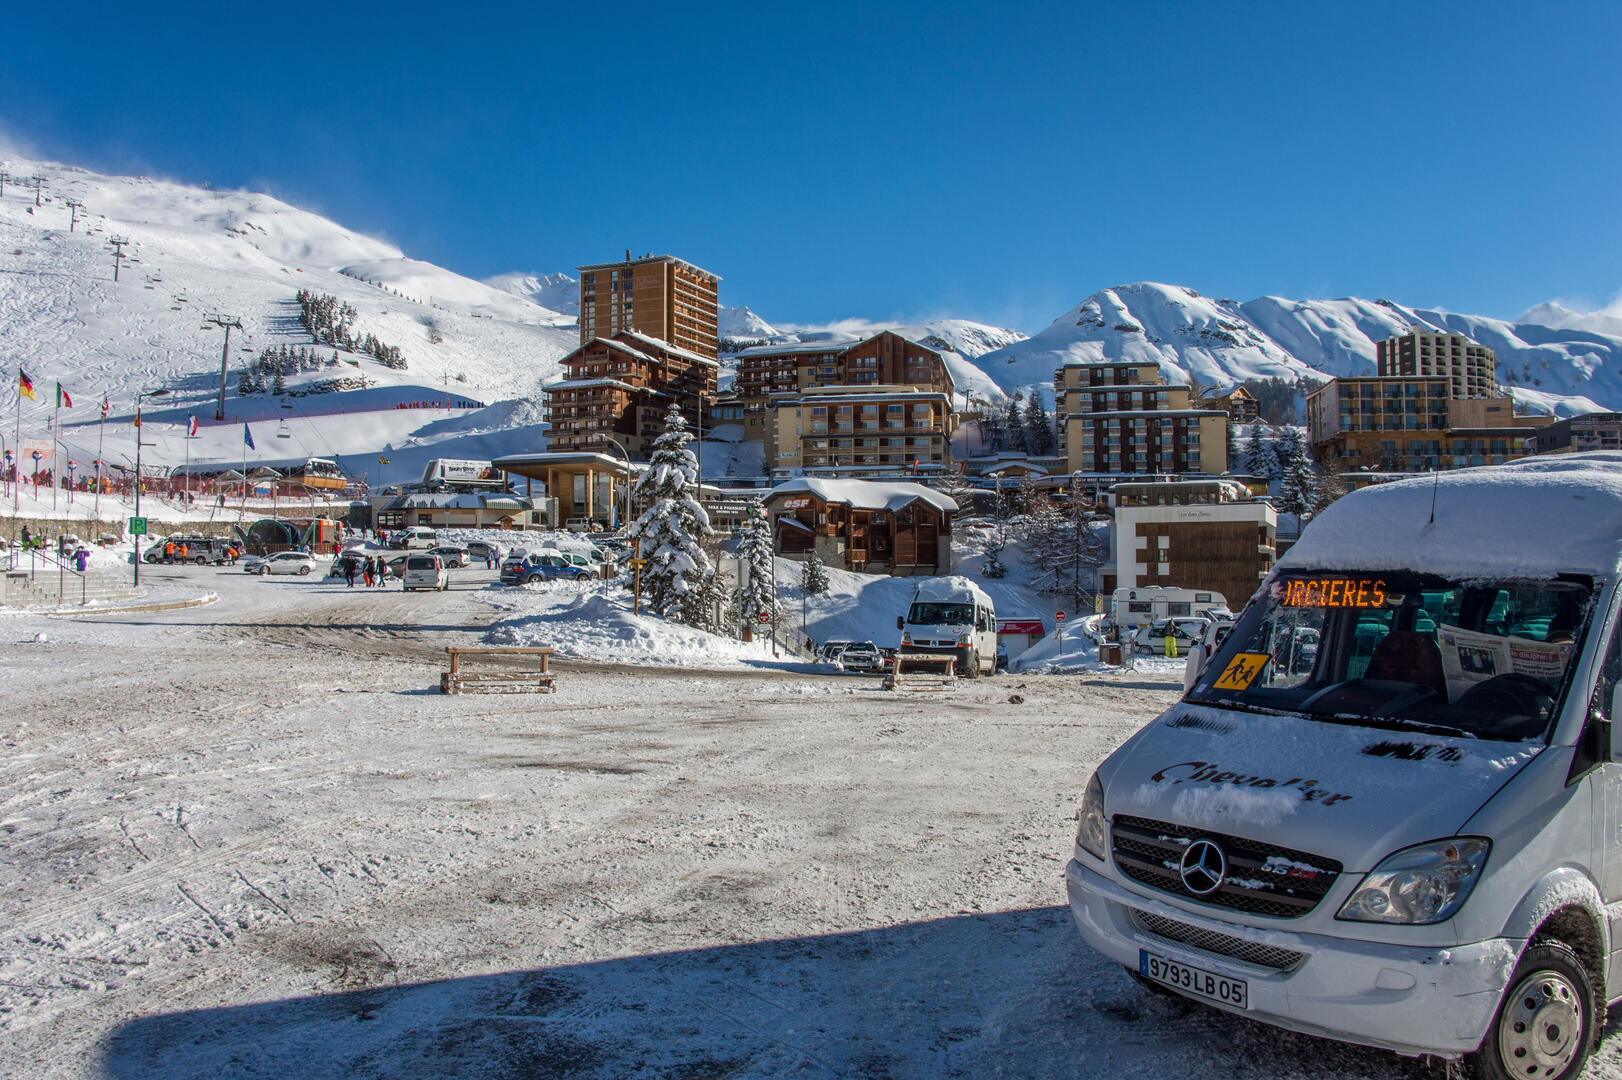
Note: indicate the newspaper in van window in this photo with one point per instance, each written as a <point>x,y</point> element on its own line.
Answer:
<point>1469,657</point>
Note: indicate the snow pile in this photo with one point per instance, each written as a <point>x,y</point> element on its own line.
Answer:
<point>1530,519</point>
<point>595,623</point>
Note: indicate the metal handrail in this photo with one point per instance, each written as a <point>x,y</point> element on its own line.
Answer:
<point>62,570</point>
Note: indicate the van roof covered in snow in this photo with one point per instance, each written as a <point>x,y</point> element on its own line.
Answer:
<point>1533,518</point>
<point>947,589</point>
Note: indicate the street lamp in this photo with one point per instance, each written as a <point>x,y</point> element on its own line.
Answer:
<point>615,442</point>
<point>138,444</point>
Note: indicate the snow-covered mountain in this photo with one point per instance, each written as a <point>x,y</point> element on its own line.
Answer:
<point>741,324</point>
<point>1566,369</point>
<point>558,292</point>
<point>192,252</point>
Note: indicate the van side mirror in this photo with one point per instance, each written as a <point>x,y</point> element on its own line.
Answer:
<point>900,622</point>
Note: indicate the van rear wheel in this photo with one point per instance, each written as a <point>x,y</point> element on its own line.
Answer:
<point>1544,1028</point>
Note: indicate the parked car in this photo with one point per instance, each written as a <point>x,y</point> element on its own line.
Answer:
<point>1151,637</point>
<point>828,650</point>
<point>594,563</point>
<point>860,656</point>
<point>394,567</point>
<point>282,562</point>
<point>478,549</point>
<point>578,524</point>
<point>542,566</point>
<point>451,555</point>
<point>425,571</point>
<point>340,565</point>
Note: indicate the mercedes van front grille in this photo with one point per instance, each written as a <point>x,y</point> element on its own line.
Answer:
<point>1258,878</point>
<point>1251,952</point>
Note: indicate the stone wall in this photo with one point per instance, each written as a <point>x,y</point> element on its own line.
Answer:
<point>90,530</point>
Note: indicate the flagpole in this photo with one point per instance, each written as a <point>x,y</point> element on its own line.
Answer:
<point>101,433</point>
<point>242,507</point>
<point>56,447</point>
<point>17,476</point>
<point>187,500</point>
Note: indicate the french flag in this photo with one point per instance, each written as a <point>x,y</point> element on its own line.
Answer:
<point>191,428</point>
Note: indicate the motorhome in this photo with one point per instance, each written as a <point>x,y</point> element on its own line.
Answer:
<point>1134,607</point>
<point>952,616</point>
<point>1409,835</point>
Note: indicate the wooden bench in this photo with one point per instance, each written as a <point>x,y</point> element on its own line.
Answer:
<point>510,681</point>
<point>921,671</point>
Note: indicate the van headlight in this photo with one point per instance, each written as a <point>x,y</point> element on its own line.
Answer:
<point>965,639</point>
<point>1427,883</point>
<point>1090,819</point>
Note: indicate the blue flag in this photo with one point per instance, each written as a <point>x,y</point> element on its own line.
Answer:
<point>247,436</point>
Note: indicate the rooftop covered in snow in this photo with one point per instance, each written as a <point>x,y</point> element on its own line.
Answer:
<point>865,494</point>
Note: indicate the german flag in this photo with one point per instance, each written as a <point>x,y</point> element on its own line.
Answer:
<point>25,385</point>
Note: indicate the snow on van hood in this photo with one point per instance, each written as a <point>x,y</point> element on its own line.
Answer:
<point>1533,518</point>
<point>1349,793</point>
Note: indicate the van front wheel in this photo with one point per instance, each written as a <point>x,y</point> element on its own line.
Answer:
<point>1545,1023</point>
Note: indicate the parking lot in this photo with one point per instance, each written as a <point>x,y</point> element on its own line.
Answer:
<point>252,839</point>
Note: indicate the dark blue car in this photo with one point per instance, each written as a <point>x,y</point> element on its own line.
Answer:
<point>542,568</point>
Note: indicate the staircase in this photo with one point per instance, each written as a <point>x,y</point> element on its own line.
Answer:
<point>50,587</point>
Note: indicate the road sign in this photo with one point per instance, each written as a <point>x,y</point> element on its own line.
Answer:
<point>137,526</point>
<point>1058,616</point>
<point>765,617</point>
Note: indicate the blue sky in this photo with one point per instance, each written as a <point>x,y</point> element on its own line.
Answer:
<point>895,161</point>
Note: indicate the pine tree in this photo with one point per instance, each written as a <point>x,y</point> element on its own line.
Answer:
<point>1038,426</point>
<point>813,575</point>
<point>280,385</point>
<point>758,594</point>
<point>1297,490</point>
<point>1233,456</point>
<point>1061,542</point>
<point>671,530</point>
<point>1014,425</point>
<point>1259,460</point>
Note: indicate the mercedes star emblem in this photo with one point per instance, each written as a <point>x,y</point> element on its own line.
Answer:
<point>1203,868</point>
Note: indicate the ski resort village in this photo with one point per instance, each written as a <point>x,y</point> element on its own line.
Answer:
<point>574,674</point>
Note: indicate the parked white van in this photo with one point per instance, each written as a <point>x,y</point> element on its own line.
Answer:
<point>1414,840</point>
<point>414,536</point>
<point>952,616</point>
<point>424,572</point>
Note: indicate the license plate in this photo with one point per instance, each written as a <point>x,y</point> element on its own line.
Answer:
<point>1192,980</point>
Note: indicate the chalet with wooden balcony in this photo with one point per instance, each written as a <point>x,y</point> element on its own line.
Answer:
<point>900,529</point>
<point>617,390</point>
<point>886,358</point>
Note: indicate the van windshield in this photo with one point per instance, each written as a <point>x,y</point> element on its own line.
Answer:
<point>1486,659</point>
<point>937,614</point>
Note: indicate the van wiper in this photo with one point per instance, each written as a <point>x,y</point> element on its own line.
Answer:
<point>1245,706</point>
<point>1396,723</point>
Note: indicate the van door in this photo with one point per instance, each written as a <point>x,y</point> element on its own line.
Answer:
<point>1606,800</point>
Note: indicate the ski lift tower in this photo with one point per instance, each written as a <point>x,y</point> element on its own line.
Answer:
<point>226,323</point>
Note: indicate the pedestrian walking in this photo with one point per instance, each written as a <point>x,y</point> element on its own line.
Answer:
<point>349,573</point>
<point>382,571</point>
<point>366,572</point>
<point>82,559</point>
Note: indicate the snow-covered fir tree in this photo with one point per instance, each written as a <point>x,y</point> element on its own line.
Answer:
<point>814,576</point>
<point>1259,460</point>
<point>672,529</point>
<point>1013,421</point>
<point>1060,541</point>
<point>758,594</point>
<point>1038,426</point>
<point>955,486</point>
<point>1297,490</point>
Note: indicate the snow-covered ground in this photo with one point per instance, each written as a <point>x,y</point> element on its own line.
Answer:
<point>252,839</point>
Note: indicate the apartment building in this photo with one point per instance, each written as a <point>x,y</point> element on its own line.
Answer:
<point>886,358</point>
<point>1193,535</point>
<point>660,296</point>
<point>1121,417</point>
<point>1577,434</point>
<point>859,430</point>
<point>618,389</point>
<point>1414,424</point>
<point>1471,370</point>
